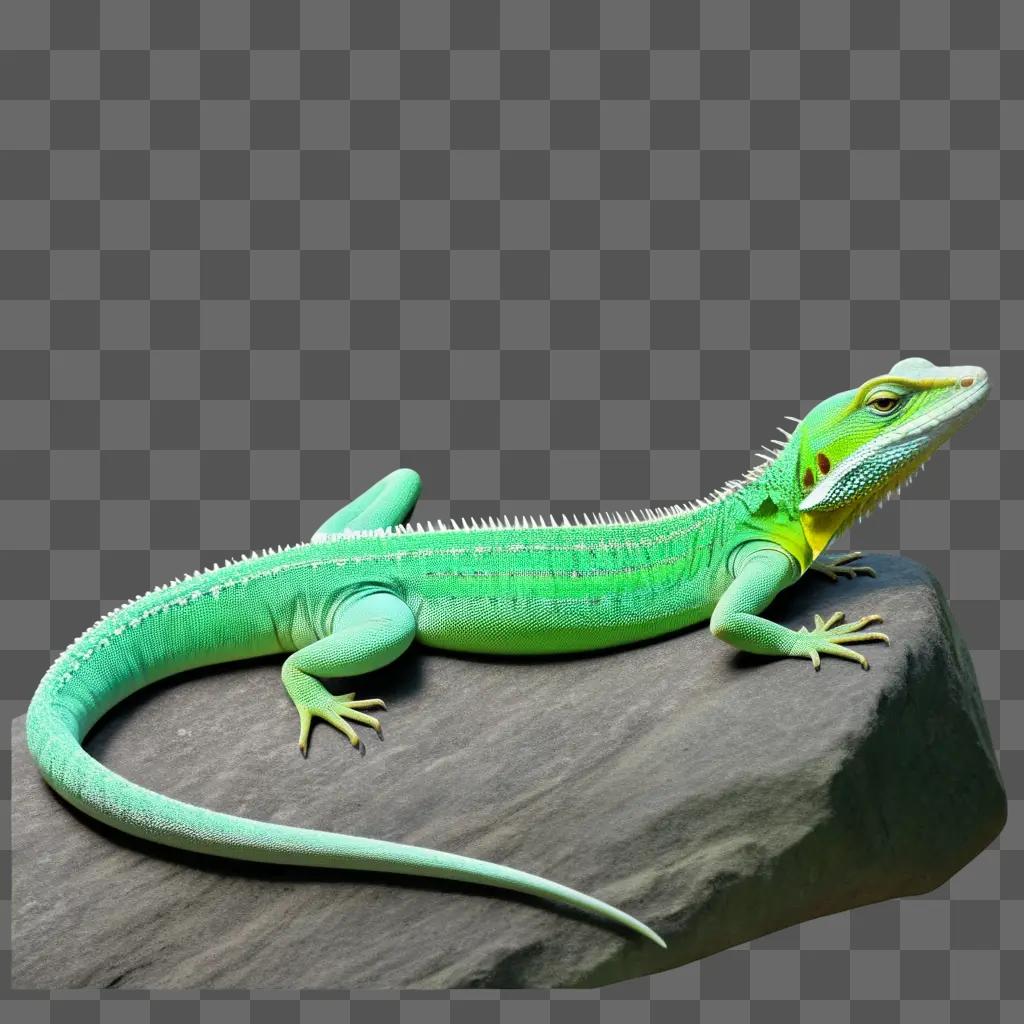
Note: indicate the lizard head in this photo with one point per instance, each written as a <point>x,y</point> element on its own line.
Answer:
<point>859,446</point>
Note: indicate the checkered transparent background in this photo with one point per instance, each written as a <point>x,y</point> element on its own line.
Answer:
<point>558,255</point>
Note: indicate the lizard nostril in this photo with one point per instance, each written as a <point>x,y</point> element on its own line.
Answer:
<point>808,477</point>
<point>823,464</point>
<point>966,382</point>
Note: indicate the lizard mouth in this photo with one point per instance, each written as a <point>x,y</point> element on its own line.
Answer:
<point>878,470</point>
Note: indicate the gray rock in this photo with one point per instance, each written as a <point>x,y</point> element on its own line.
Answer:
<point>717,796</point>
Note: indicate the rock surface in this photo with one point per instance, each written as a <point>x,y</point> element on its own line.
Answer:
<point>717,796</point>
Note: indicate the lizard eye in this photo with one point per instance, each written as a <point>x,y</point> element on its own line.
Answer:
<point>884,402</point>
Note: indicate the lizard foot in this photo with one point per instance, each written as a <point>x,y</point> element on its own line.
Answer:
<point>834,569</point>
<point>336,710</point>
<point>828,637</point>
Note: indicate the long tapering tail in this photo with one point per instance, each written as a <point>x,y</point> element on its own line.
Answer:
<point>53,740</point>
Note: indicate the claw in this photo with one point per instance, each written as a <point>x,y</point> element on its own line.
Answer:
<point>305,720</point>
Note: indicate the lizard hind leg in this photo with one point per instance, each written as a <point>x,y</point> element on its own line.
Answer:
<point>367,634</point>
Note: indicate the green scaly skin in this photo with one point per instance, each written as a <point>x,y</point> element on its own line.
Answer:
<point>357,596</point>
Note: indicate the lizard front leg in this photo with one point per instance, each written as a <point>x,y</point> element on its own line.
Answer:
<point>367,634</point>
<point>760,572</point>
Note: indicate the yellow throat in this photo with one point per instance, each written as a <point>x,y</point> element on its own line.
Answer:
<point>820,527</point>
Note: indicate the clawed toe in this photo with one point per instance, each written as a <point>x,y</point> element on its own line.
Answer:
<point>371,702</point>
<point>346,709</point>
<point>830,636</point>
<point>821,626</point>
<point>839,567</point>
<point>339,711</point>
<point>857,638</point>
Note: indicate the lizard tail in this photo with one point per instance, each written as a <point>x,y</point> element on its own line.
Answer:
<point>54,740</point>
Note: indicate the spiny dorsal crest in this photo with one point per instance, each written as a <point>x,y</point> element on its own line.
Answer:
<point>515,522</point>
<point>768,455</point>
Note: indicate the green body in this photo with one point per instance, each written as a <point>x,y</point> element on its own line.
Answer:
<point>356,598</point>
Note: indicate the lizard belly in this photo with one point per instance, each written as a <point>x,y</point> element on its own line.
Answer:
<point>548,626</point>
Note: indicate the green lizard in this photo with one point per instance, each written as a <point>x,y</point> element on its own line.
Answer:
<point>367,585</point>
